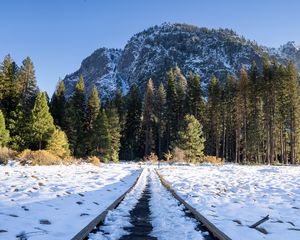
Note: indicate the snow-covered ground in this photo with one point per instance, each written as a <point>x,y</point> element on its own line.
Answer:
<point>56,202</point>
<point>234,197</point>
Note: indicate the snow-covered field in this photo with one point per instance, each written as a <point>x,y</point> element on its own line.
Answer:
<point>234,197</point>
<point>56,202</point>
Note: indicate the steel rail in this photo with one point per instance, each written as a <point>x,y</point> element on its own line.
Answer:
<point>83,234</point>
<point>216,232</point>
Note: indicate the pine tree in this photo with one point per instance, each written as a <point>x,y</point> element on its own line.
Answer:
<point>93,107</point>
<point>19,126</point>
<point>282,115</point>
<point>101,137</point>
<point>191,139</point>
<point>27,82</point>
<point>255,123</point>
<point>132,128</point>
<point>92,111</point>
<point>242,105</point>
<point>119,103</point>
<point>148,118</point>
<point>58,144</point>
<point>115,133</point>
<point>9,89</point>
<point>194,101</point>
<point>230,91</point>
<point>181,87</point>
<point>42,121</point>
<point>293,96</point>
<point>269,108</point>
<point>160,104</point>
<point>58,105</point>
<point>70,124</point>
<point>214,117</point>
<point>171,109</point>
<point>76,119</point>
<point>4,133</point>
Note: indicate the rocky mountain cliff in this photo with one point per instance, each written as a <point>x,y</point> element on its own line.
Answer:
<point>149,54</point>
<point>287,52</point>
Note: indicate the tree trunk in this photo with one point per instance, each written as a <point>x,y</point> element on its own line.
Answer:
<point>292,139</point>
<point>245,135</point>
<point>285,151</point>
<point>237,149</point>
<point>268,147</point>
<point>281,146</point>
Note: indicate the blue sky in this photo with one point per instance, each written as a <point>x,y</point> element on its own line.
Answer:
<point>59,34</point>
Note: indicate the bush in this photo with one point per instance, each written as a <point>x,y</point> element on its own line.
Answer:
<point>213,160</point>
<point>94,160</point>
<point>151,158</point>
<point>40,157</point>
<point>168,156</point>
<point>6,154</point>
<point>178,155</point>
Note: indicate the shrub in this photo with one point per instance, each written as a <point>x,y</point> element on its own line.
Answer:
<point>178,155</point>
<point>94,160</point>
<point>213,160</point>
<point>6,154</point>
<point>40,157</point>
<point>168,156</point>
<point>151,158</point>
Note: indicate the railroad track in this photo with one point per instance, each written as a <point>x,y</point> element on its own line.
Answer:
<point>139,216</point>
<point>98,220</point>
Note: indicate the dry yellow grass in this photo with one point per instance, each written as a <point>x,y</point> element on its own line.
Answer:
<point>94,160</point>
<point>40,157</point>
<point>151,158</point>
<point>6,154</point>
<point>213,160</point>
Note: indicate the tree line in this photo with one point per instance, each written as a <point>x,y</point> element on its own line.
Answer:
<point>25,120</point>
<point>250,119</point>
<point>258,118</point>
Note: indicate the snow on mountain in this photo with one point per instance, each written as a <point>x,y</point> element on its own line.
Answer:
<point>100,69</point>
<point>152,52</point>
<point>287,52</point>
<point>289,49</point>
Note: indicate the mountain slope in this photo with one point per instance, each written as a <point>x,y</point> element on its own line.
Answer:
<point>100,69</point>
<point>149,54</point>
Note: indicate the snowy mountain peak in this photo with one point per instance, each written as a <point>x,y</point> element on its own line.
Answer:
<point>292,45</point>
<point>100,68</point>
<point>152,52</point>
